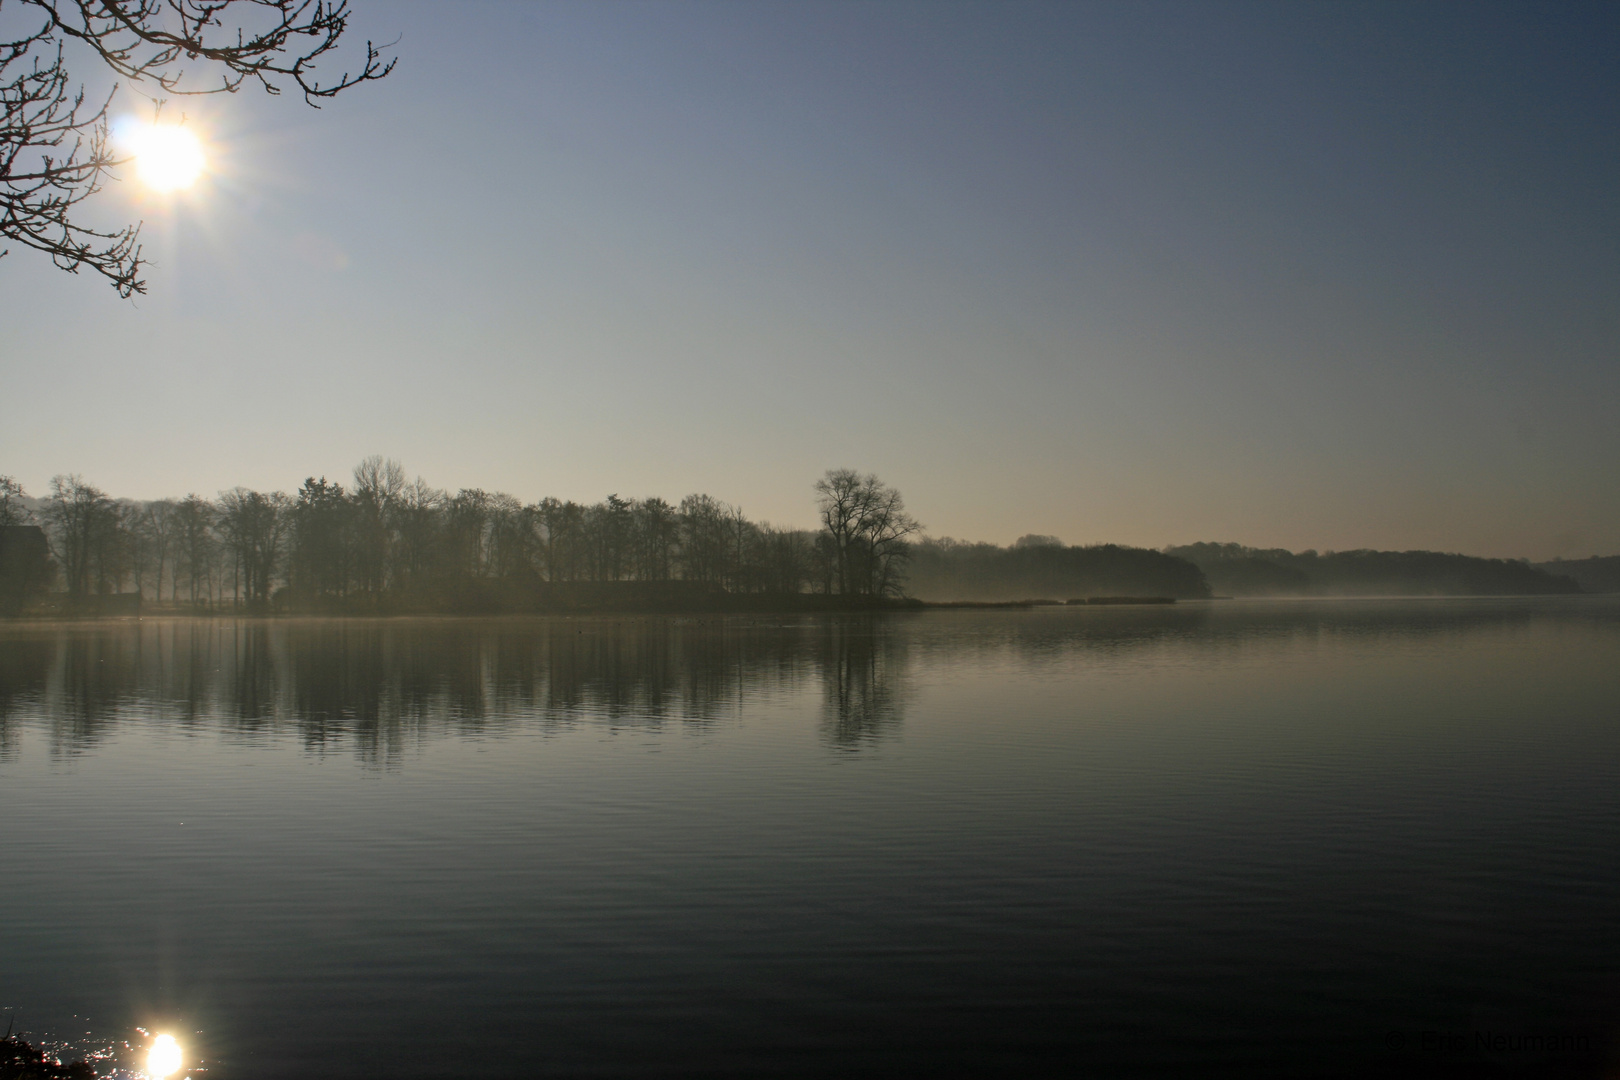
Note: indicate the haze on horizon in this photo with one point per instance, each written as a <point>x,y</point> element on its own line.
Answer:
<point>1297,276</point>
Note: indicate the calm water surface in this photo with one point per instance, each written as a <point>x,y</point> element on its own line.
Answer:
<point>1242,838</point>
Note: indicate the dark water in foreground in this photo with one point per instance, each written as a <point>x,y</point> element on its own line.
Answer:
<point>1246,838</point>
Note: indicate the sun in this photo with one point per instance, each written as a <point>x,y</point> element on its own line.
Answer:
<point>167,157</point>
<point>163,1059</point>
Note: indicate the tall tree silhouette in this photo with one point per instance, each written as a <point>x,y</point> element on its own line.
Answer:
<point>868,525</point>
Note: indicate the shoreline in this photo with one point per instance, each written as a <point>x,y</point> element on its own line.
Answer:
<point>809,604</point>
<point>888,607</point>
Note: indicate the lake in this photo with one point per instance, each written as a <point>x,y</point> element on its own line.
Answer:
<point>1246,838</point>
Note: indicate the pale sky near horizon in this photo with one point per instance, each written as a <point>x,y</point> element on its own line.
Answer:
<point>1328,276</point>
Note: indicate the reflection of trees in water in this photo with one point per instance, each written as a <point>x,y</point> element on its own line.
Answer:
<point>253,675</point>
<point>90,676</point>
<point>25,666</point>
<point>356,686</point>
<point>377,688</point>
<point>863,662</point>
<point>1214,631</point>
<point>650,671</point>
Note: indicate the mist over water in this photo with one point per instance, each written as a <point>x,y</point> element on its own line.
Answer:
<point>1238,837</point>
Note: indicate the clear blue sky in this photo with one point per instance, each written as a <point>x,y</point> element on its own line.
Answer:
<point>1306,275</point>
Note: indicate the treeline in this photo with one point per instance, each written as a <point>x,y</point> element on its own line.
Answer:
<point>1042,567</point>
<point>383,544</point>
<point>1235,570</point>
<point>1599,574</point>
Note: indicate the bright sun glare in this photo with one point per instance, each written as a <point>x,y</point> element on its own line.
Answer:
<point>167,158</point>
<point>163,1059</point>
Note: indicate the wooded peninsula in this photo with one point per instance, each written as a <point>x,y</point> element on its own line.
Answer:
<point>384,545</point>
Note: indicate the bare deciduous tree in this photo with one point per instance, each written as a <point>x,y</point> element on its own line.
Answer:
<point>54,150</point>
<point>76,513</point>
<point>868,524</point>
<point>13,510</point>
<point>255,524</point>
<point>378,485</point>
<point>417,514</point>
<point>195,523</point>
<point>157,524</point>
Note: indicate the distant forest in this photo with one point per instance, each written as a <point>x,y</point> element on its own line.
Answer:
<point>1235,570</point>
<point>1594,575</point>
<point>385,545</point>
<point>1042,567</point>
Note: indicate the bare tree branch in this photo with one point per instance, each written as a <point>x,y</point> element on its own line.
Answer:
<point>54,151</point>
<point>263,40</point>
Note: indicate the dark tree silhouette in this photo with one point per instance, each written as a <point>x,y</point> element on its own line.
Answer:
<point>196,520</point>
<point>322,526</point>
<point>82,516</point>
<point>385,545</point>
<point>54,152</point>
<point>869,527</point>
<point>254,525</point>
<point>946,569</point>
<point>1246,571</point>
<point>388,546</point>
<point>13,509</point>
<point>25,558</point>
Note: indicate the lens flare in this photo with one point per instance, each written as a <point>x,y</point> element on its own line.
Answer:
<point>167,158</point>
<point>163,1059</point>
